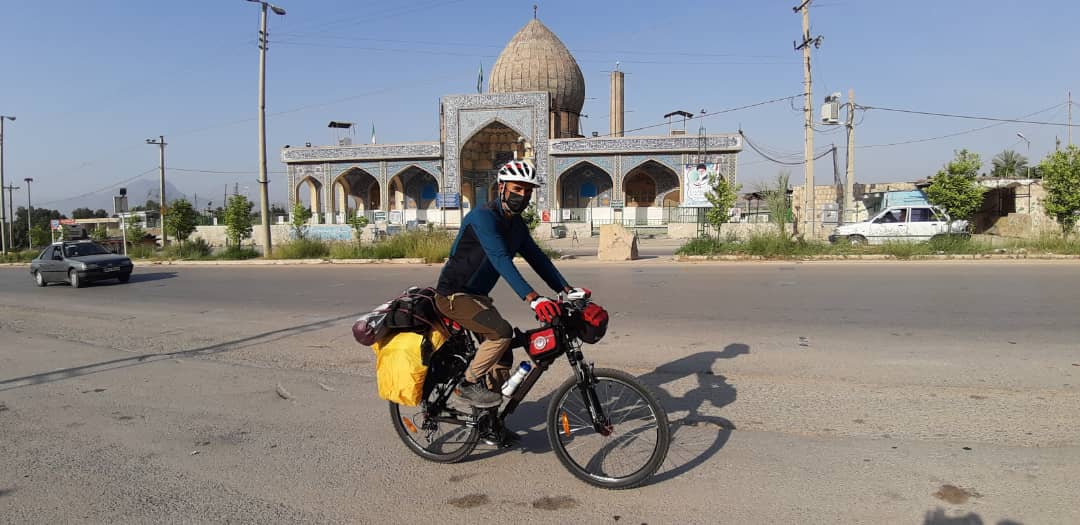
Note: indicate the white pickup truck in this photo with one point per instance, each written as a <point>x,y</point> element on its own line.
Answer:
<point>899,224</point>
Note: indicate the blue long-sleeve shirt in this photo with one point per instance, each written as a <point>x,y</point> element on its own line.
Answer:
<point>484,250</point>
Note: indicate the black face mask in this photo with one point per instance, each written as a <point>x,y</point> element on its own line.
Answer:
<point>516,203</point>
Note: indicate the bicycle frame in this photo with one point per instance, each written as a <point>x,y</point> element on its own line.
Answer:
<point>571,348</point>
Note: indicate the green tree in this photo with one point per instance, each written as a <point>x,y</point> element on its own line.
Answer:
<point>101,214</point>
<point>722,196</point>
<point>238,219</point>
<point>777,200</point>
<point>135,233</point>
<point>40,235</point>
<point>1061,178</point>
<point>299,223</point>
<point>20,229</point>
<point>181,220</point>
<point>1009,164</point>
<point>531,217</point>
<point>100,233</point>
<point>82,213</point>
<point>954,187</point>
<point>358,223</point>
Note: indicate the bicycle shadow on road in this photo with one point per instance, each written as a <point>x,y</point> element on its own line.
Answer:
<point>696,434</point>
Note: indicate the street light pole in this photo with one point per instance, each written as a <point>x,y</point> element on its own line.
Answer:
<point>264,197</point>
<point>1021,135</point>
<point>4,236</point>
<point>161,196</point>
<point>29,239</point>
<point>29,230</point>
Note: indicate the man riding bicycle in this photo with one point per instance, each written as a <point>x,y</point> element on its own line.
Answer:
<point>489,238</point>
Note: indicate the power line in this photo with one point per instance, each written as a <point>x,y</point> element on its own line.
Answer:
<point>714,113</point>
<point>958,133</point>
<point>785,163</point>
<point>969,117</point>
<point>191,170</point>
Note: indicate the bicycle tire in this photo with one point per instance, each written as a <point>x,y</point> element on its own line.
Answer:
<point>462,446</point>
<point>592,472</point>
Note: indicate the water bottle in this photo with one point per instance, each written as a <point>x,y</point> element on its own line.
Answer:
<point>515,380</point>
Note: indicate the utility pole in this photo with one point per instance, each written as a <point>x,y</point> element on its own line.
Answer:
<point>29,238</point>
<point>160,142</point>
<point>849,195</point>
<point>808,215</point>
<point>5,238</point>
<point>1070,118</point>
<point>264,198</point>
<point>10,213</point>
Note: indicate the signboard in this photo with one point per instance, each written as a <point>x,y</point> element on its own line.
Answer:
<point>120,204</point>
<point>54,224</point>
<point>696,182</point>
<point>395,217</point>
<point>68,221</point>
<point>545,216</point>
<point>566,215</point>
<point>380,215</point>
<point>448,200</point>
<point>618,205</point>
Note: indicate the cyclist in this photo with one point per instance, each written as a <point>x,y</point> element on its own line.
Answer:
<point>489,238</point>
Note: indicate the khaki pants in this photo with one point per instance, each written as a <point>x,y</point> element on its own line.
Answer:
<point>477,313</point>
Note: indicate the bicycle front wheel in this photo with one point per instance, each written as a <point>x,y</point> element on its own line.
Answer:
<point>623,455</point>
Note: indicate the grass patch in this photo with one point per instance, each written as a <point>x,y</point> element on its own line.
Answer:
<point>1049,244</point>
<point>430,245</point>
<point>195,250</point>
<point>142,251</point>
<point>302,249</point>
<point>23,256</point>
<point>702,246</point>
<point>236,253</point>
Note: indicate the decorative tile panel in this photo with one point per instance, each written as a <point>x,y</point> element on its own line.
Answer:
<point>456,119</point>
<point>363,151</point>
<point>686,143</point>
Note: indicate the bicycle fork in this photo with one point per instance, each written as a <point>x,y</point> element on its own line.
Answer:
<point>587,383</point>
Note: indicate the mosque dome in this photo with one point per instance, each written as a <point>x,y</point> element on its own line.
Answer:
<point>536,60</point>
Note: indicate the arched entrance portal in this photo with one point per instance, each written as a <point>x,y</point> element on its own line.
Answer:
<point>481,156</point>
<point>413,190</point>
<point>584,186</point>
<point>310,199</point>
<point>649,187</point>
<point>355,192</point>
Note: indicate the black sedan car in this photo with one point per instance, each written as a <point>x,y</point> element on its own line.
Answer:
<point>77,263</point>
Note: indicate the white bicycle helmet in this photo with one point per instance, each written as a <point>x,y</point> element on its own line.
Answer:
<point>518,171</point>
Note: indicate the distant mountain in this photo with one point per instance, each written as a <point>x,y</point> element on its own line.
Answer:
<point>138,192</point>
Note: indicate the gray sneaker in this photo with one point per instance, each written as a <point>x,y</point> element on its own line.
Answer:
<point>478,396</point>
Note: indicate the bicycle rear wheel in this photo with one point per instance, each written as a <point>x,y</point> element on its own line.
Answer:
<point>625,455</point>
<point>438,441</point>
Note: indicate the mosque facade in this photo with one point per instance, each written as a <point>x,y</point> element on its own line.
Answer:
<point>532,110</point>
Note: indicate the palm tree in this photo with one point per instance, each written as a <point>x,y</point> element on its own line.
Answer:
<point>1009,164</point>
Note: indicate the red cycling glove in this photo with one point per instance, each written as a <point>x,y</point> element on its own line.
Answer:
<point>546,309</point>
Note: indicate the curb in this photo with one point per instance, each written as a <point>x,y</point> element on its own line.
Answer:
<point>879,257</point>
<point>256,262</point>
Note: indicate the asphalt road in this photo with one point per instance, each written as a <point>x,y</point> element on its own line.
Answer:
<point>819,392</point>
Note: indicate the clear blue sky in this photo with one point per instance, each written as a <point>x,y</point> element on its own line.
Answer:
<point>90,81</point>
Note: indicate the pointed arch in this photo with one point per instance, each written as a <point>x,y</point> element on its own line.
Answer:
<point>584,185</point>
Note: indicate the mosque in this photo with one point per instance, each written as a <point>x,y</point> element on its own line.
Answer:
<point>532,109</point>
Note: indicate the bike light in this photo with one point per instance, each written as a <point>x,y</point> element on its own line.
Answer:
<point>409,425</point>
<point>565,424</point>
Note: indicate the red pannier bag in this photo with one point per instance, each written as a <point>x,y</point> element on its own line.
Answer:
<point>541,343</point>
<point>594,323</point>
